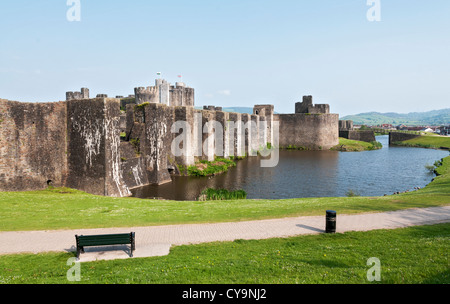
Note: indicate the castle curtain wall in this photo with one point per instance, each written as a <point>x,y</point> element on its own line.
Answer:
<point>94,147</point>
<point>32,145</point>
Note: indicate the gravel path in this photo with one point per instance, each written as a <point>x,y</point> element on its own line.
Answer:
<point>157,241</point>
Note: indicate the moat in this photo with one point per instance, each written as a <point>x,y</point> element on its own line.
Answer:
<point>314,174</point>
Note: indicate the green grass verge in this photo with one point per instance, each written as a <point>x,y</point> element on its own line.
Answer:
<point>71,209</point>
<point>415,255</point>
<point>349,145</point>
<point>429,141</point>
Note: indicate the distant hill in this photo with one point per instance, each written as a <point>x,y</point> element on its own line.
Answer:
<point>436,117</point>
<point>243,110</point>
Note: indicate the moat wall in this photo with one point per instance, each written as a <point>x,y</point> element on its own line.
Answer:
<point>73,144</point>
<point>77,143</point>
<point>398,136</point>
<point>367,136</point>
<point>308,131</point>
<point>94,147</point>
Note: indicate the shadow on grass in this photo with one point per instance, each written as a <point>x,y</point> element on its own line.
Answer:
<point>325,263</point>
<point>440,278</point>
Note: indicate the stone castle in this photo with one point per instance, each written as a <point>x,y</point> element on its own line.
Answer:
<point>107,146</point>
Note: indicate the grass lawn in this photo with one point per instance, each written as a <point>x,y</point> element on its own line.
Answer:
<point>412,255</point>
<point>71,209</point>
<point>428,141</point>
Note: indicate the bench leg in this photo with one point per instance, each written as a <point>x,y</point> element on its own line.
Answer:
<point>80,250</point>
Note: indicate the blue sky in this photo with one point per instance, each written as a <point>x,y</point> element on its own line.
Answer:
<point>234,53</point>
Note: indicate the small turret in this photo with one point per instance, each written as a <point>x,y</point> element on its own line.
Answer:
<point>307,107</point>
<point>83,94</point>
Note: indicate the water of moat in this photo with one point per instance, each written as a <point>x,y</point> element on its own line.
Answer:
<point>314,174</point>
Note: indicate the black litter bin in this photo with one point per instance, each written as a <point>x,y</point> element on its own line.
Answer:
<point>331,222</point>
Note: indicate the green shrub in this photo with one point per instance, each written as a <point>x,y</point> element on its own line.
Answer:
<point>351,193</point>
<point>294,147</point>
<point>222,194</point>
<point>430,168</point>
<point>375,145</point>
<point>439,163</point>
<point>207,168</point>
<point>182,169</point>
<point>136,142</point>
<point>141,107</point>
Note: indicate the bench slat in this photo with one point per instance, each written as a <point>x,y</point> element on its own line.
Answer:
<point>98,243</point>
<point>106,238</point>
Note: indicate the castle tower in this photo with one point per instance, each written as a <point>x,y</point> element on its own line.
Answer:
<point>266,121</point>
<point>302,107</point>
<point>307,107</point>
<point>160,93</point>
<point>84,93</point>
<point>181,95</point>
<point>164,91</point>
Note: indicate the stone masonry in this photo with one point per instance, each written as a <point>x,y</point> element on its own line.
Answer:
<point>78,143</point>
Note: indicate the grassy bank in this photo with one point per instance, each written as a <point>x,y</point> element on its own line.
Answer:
<point>413,255</point>
<point>208,168</point>
<point>348,145</point>
<point>428,141</point>
<point>70,209</point>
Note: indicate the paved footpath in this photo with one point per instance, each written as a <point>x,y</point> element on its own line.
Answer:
<point>157,241</point>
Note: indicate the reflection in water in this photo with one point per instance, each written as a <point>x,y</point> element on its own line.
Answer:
<point>313,174</point>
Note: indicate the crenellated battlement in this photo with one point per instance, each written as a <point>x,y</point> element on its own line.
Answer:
<point>263,110</point>
<point>181,95</point>
<point>146,94</point>
<point>307,107</point>
<point>165,93</point>
<point>83,94</point>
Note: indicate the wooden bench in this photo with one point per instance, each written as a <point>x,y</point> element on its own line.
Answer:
<point>105,240</point>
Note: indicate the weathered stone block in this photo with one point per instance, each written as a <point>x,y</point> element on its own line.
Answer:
<point>32,145</point>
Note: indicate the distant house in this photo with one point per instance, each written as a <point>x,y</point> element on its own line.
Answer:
<point>415,128</point>
<point>444,130</point>
<point>387,126</point>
